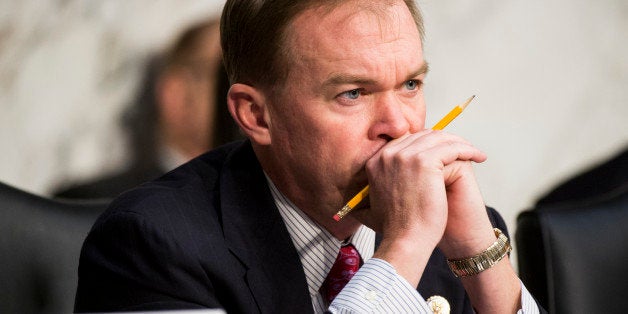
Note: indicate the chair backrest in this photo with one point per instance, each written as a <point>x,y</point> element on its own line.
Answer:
<point>40,243</point>
<point>574,256</point>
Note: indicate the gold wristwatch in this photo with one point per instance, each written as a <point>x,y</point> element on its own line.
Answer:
<point>476,264</point>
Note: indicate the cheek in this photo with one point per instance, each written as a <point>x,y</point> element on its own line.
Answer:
<point>418,123</point>
<point>345,146</point>
<point>416,116</point>
<point>326,142</point>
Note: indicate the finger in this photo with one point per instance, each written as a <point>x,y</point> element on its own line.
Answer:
<point>423,140</point>
<point>430,151</point>
<point>449,152</point>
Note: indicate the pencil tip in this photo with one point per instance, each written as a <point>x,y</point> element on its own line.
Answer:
<point>466,103</point>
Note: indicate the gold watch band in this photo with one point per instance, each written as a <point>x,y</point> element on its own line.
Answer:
<point>476,264</point>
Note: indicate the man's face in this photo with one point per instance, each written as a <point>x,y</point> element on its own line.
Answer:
<point>354,83</point>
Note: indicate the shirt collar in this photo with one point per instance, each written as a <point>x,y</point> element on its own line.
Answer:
<point>317,248</point>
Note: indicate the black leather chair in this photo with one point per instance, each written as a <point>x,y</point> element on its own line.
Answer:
<point>573,256</point>
<point>40,243</point>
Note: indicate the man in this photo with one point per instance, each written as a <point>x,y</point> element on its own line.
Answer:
<point>329,94</point>
<point>179,114</point>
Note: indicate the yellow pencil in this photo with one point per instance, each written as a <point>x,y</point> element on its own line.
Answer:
<point>365,191</point>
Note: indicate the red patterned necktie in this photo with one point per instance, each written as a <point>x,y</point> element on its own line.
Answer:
<point>346,265</point>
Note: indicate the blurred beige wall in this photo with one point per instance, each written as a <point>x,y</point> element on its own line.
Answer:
<point>67,70</point>
<point>551,79</point>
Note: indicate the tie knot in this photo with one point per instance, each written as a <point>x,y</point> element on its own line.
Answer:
<point>346,265</point>
<point>349,256</point>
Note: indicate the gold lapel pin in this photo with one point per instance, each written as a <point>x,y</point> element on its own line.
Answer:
<point>438,304</point>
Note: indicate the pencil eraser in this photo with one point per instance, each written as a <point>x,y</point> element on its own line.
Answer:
<point>336,217</point>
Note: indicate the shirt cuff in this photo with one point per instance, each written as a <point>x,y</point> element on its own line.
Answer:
<point>528,304</point>
<point>377,287</point>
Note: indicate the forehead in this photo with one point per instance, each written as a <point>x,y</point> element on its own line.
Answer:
<point>354,32</point>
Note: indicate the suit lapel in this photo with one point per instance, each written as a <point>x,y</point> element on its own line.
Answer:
<point>255,233</point>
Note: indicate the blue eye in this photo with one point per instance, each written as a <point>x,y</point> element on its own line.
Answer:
<point>352,94</point>
<point>411,84</point>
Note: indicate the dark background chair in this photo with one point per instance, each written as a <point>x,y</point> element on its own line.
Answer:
<point>573,256</point>
<point>40,243</point>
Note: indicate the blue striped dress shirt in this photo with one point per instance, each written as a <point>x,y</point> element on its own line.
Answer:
<point>375,288</point>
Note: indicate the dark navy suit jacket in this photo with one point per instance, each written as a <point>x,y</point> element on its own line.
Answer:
<point>208,234</point>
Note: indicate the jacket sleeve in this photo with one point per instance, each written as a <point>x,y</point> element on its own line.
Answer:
<point>129,262</point>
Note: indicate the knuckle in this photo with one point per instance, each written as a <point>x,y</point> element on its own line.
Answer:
<point>388,155</point>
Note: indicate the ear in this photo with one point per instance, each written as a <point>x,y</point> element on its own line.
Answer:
<point>249,109</point>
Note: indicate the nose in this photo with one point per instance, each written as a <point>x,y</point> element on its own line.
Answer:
<point>389,119</point>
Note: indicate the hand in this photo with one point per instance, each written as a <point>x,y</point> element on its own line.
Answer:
<point>468,231</point>
<point>410,178</point>
<point>408,195</point>
<point>423,193</point>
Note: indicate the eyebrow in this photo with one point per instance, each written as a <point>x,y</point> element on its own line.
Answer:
<point>422,70</point>
<point>342,78</point>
